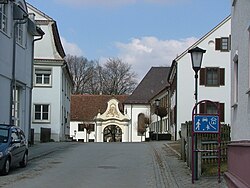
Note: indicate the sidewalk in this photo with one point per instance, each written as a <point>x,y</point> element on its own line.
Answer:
<point>185,173</point>
<point>42,149</point>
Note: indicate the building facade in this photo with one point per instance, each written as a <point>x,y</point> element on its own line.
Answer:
<point>98,118</point>
<point>239,150</point>
<point>52,84</point>
<point>17,31</point>
<point>141,104</point>
<point>214,78</point>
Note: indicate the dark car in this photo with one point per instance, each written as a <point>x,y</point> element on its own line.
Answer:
<point>13,148</point>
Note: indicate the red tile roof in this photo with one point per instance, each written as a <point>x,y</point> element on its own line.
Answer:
<point>86,107</point>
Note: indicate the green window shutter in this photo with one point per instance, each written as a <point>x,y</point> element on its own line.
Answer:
<point>202,108</point>
<point>222,114</point>
<point>222,76</point>
<point>217,44</point>
<point>202,76</point>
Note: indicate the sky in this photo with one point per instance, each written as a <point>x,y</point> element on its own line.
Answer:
<point>142,33</point>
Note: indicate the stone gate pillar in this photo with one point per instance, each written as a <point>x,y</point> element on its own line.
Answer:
<point>125,133</point>
<point>99,132</point>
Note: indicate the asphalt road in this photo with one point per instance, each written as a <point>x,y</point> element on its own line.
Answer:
<point>105,165</point>
<point>90,165</point>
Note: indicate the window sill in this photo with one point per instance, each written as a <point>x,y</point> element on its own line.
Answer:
<point>44,86</point>
<point>41,122</point>
<point>234,105</point>
<point>248,91</point>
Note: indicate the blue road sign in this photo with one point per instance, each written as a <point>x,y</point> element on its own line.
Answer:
<point>206,124</point>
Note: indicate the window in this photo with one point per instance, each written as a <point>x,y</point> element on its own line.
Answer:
<point>42,77</point>
<point>209,108</point>
<point>235,80</point>
<point>212,76</point>
<point>81,127</point>
<point>16,106</point>
<point>42,112</point>
<point>4,17</point>
<point>141,127</point>
<point>19,34</point>
<point>222,44</point>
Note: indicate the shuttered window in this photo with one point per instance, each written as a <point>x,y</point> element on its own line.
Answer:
<point>223,44</point>
<point>212,76</point>
<point>208,108</point>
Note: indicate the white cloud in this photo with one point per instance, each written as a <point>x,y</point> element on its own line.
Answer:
<point>143,53</point>
<point>71,48</point>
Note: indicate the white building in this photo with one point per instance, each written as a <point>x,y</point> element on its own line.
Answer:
<point>139,103</point>
<point>52,84</point>
<point>17,31</point>
<point>98,118</point>
<point>214,78</point>
<point>239,149</point>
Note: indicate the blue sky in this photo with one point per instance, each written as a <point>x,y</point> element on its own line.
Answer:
<point>143,33</point>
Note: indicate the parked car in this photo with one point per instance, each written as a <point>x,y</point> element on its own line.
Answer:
<point>13,148</point>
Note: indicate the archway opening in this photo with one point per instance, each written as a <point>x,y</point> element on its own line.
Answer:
<point>112,133</point>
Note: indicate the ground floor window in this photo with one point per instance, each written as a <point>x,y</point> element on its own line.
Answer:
<point>42,112</point>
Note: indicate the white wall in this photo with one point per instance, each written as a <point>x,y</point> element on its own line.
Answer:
<point>79,135</point>
<point>133,111</point>
<point>241,46</point>
<point>186,81</point>
<point>23,64</point>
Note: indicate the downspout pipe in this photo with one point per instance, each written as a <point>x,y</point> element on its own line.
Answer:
<point>13,79</point>
<point>32,85</point>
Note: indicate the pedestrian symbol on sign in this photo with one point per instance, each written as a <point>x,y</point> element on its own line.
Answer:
<point>204,123</point>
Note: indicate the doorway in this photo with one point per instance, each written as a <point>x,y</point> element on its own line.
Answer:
<point>112,133</point>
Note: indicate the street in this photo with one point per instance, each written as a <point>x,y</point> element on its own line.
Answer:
<point>97,165</point>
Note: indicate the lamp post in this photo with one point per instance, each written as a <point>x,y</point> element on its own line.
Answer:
<point>157,103</point>
<point>196,58</point>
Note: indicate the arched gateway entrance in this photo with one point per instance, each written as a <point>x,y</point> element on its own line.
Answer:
<point>112,125</point>
<point>112,133</point>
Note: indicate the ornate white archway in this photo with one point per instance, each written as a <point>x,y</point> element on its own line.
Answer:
<point>112,117</point>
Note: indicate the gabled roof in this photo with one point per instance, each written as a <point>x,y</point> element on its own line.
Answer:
<point>175,61</point>
<point>86,107</point>
<point>154,82</point>
<point>45,19</point>
<point>203,38</point>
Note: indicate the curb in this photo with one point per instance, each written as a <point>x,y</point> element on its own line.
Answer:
<point>176,152</point>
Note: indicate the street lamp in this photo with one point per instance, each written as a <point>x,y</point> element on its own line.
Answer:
<point>157,103</point>
<point>196,57</point>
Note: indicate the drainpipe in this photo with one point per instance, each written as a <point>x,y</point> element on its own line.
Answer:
<point>32,84</point>
<point>13,79</point>
<point>131,115</point>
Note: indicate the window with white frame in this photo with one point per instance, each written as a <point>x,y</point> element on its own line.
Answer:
<point>41,112</point>
<point>236,79</point>
<point>4,17</point>
<point>19,33</point>
<point>43,77</point>
<point>16,106</point>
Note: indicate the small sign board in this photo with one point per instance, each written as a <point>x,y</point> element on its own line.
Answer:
<point>206,124</point>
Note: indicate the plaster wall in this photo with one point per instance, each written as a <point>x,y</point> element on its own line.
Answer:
<point>186,81</point>
<point>241,46</point>
<point>133,111</point>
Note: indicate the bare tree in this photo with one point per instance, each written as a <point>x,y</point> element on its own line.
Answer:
<point>82,72</point>
<point>117,77</point>
<point>114,78</point>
